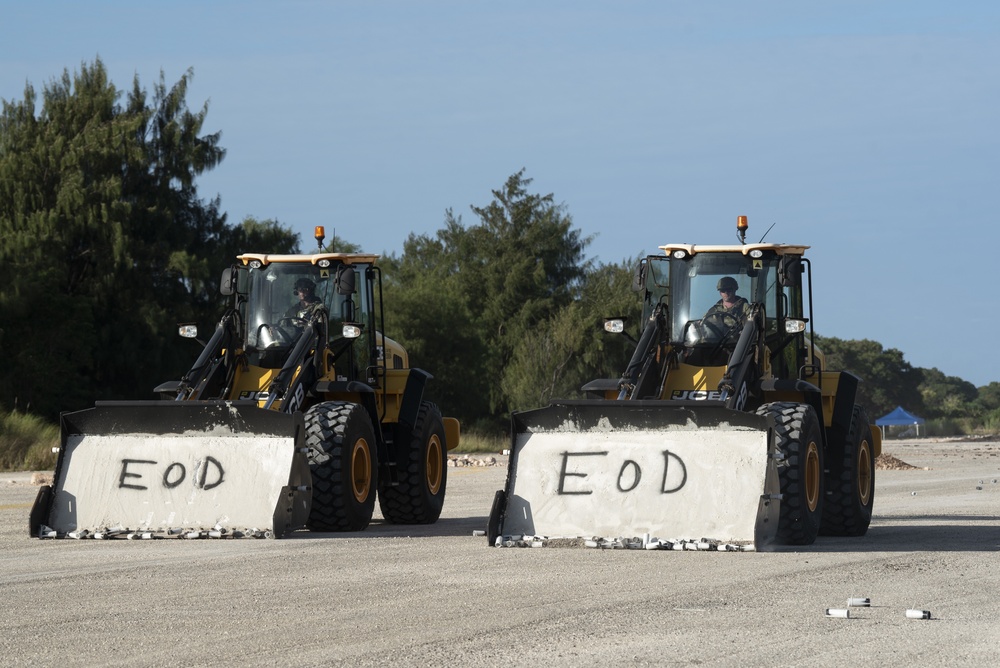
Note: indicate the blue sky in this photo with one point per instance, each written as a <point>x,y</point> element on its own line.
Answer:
<point>867,130</point>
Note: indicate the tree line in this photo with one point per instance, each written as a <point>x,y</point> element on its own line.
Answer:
<point>105,245</point>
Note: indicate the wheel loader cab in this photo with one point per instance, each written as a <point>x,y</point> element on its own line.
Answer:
<point>275,310</point>
<point>686,281</point>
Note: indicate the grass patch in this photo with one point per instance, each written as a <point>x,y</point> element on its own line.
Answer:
<point>26,442</point>
<point>477,441</point>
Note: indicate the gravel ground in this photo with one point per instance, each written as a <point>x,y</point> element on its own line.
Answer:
<point>437,595</point>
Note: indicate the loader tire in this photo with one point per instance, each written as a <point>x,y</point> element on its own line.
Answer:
<point>850,482</point>
<point>344,469</point>
<point>423,473</point>
<point>798,436</point>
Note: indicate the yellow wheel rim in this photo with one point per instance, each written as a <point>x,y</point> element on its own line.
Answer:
<point>361,470</point>
<point>864,472</point>
<point>813,476</point>
<point>434,464</point>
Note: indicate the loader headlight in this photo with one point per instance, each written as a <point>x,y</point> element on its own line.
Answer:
<point>614,325</point>
<point>756,253</point>
<point>351,331</point>
<point>256,264</point>
<point>188,331</point>
<point>324,263</point>
<point>679,254</point>
<point>795,326</point>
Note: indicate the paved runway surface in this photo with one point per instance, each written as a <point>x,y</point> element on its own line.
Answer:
<point>436,595</point>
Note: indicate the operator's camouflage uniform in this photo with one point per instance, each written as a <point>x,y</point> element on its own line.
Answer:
<point>298,311</point>
<point>739,310</point>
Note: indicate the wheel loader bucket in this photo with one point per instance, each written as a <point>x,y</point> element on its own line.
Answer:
<point>190,468</point>
<point>659,470</point>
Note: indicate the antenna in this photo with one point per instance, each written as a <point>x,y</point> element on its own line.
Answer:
<point>765,233</point>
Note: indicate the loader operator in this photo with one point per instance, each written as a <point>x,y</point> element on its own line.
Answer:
<point>731,304</point>
<point>305,289</point>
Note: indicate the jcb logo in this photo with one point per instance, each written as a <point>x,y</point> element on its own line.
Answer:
<point>699,395</point>
<point>253,395</point>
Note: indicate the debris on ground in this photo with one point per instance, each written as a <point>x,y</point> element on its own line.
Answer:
<point>886,462</point>
<point>458,461</point>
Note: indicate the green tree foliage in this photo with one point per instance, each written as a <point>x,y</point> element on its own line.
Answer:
<point>888,380</point>
<point>104,243</point>
<point>989,396</point>
<point>947,396</point>
<point>570,348</point>
<point>263,236</point>
<point>465,300</point>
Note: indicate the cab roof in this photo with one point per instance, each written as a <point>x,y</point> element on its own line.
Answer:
<point>694,249</point>
<point>315,258</point>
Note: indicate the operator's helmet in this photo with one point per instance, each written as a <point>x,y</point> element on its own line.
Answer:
<point>305,283</point>
<point>727,283</point>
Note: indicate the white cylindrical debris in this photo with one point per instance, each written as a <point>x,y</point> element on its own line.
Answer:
<point>215,534</point>
<point>478,532</point>
<point>78,534</point>
<point>537,543</point>
<point>918,614</point>
<point>591,543</point>
<point>655,545</point>
<point>842,613</point>
<point>193,534</point>
<point>859,602</point>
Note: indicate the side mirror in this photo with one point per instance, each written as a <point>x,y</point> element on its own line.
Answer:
<point>188,331</point>
<point>639,279</point>
<point>227,285</point>
<point>345,280</point>
<point>790,271</point>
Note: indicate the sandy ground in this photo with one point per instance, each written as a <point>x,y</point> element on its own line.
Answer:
<point>438,595</point>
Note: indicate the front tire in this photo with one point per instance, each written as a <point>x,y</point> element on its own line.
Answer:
<point>423,473</point>
<point>344,467</point>
<point>799,439</point>
<point>850,482</point>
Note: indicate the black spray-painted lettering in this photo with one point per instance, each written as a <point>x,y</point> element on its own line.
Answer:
<point>563,474</point>
<point>636,475</point>
<point>176,466</point>
<point>209,474</point>
<point>203,478</point>
<point>667,456</point>
<point>126,474</point>
<point>629,474</point>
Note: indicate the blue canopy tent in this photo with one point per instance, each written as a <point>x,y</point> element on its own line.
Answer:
<point>899,417</point>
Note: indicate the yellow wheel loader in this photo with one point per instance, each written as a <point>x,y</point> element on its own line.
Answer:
<point>725,431</point>
<point>297,413</point>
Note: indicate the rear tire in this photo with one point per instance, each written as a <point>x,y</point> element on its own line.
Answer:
<point>344,467</point>
<point>850,483</point>
<point>798,435</point>
<point>423,473</point>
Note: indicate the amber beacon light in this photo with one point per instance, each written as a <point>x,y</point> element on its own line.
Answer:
<point>741,227</point>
